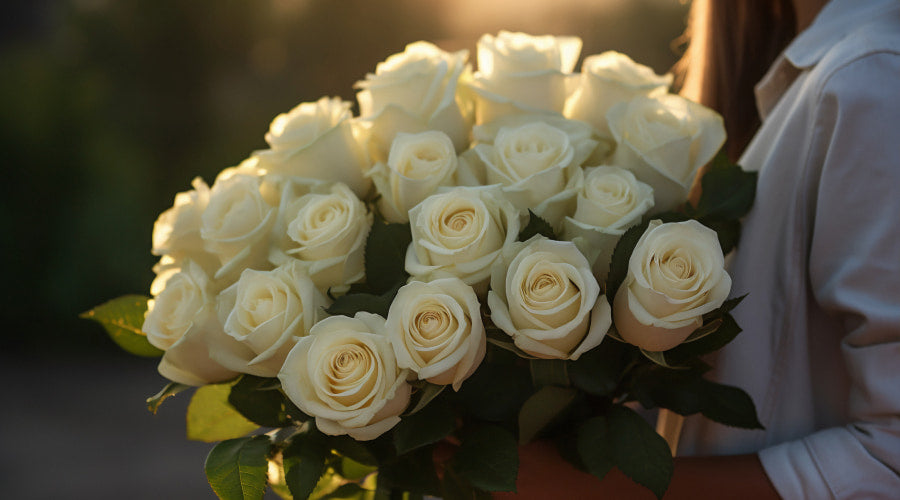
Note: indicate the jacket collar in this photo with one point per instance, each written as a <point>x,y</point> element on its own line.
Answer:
<point>837,20</point>
<point>834,22</point>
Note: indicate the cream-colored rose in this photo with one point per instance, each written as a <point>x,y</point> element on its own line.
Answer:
<point>417,165</point>
<point>346,376</point>
<point>235,225</point>
<point>266,312</point>
<point>664,141</point>
<point>611,201</point>
<point>461,233</point>
<point>180,295</point>
<point>675,276</point>
<point>519,73</point>
<point>607,79</point>
<point>548,301</point>
<point>537,159</point>
<point>316,140</point>
<point>325,230</point>
<point>436,330</point>
<point>180,320</point>
<point>414,91</point>
<point>177,230</point>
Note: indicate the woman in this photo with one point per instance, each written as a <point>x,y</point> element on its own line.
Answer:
<point>819,256</point>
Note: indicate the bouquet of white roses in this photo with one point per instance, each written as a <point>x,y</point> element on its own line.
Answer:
<point>477,260</point>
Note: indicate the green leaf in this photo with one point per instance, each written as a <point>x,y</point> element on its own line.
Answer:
<point>236,468</point>
<point>623,439</point>
<point>730,406</point>
<point>346,491</point>
<point>455,487</point>
<point>686,392</point>
<point>412,472</point>
<point>304,463</point>
<point>122,318</point>
<point>433,423</point>
<point>255,399</point>
<point>725,332</point>
<point>495,392</point>
<point>595,447</point>
<point>354,471</point>
<point>210,418</point>
<point>658,357</point>
<point>488,458</point>
<point>542,408</point>
<point>640,453</point>
<point>728,232</point>
<point>549,372</point>
<point>536,225</point>
<point>346,446</point>
<point>727,306</point>
<point>386,256</point>
<point>728,191</point>
<point>171,389</point>
<point>350,304</point>
<point>599,370</point>
<point>425,394</point>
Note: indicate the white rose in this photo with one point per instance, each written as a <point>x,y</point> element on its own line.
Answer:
<point>180,294</point>
<point>537,159</point>
<point>316,140</point>
<point>177,230</point>
<point>181,321</point>
<point>270,184</point>
<point>523,73</point>
<point>235,225</point>
<point>325,230</point>
<point>345,375</point>
<point>461,233</point>
<point>664,141</point>
<point>436,330</point>
<point>416,166</point>
<point>607,79</point>
<point>414,91</point>
<point>266,312</point>
<point>548,301</point>
<point>611,201</point>
<point>675,276</point>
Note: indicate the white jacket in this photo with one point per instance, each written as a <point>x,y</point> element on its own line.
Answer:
<point>820,258</point>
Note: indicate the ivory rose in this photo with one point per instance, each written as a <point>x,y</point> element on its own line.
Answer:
<point>610,201</point>
<point>324,227</point>
<point>548,301</point>
<point>436,330</point>
<point>519,73</point>
<point>607,79</point>
<point>417,165</point>
<point>461,233</point>
<point>675,276</point>
<point>414,91</point>
<point>176,232</point>
<point>316,140</point>
<point>664,140</point>
<point>235,225</point>
<point>180,320</point>
<point>537,159</point>
<point>344,373</point>
<point>265,312</point>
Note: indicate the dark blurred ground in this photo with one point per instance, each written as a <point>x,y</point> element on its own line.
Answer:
<point>107,109</point>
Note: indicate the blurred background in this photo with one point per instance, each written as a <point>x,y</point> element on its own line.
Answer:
<point>107,109</point>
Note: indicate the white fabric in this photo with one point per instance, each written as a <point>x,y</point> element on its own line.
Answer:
<point>820,258</point>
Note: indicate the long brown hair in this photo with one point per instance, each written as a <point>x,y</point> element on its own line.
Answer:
<point>731,45</point>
